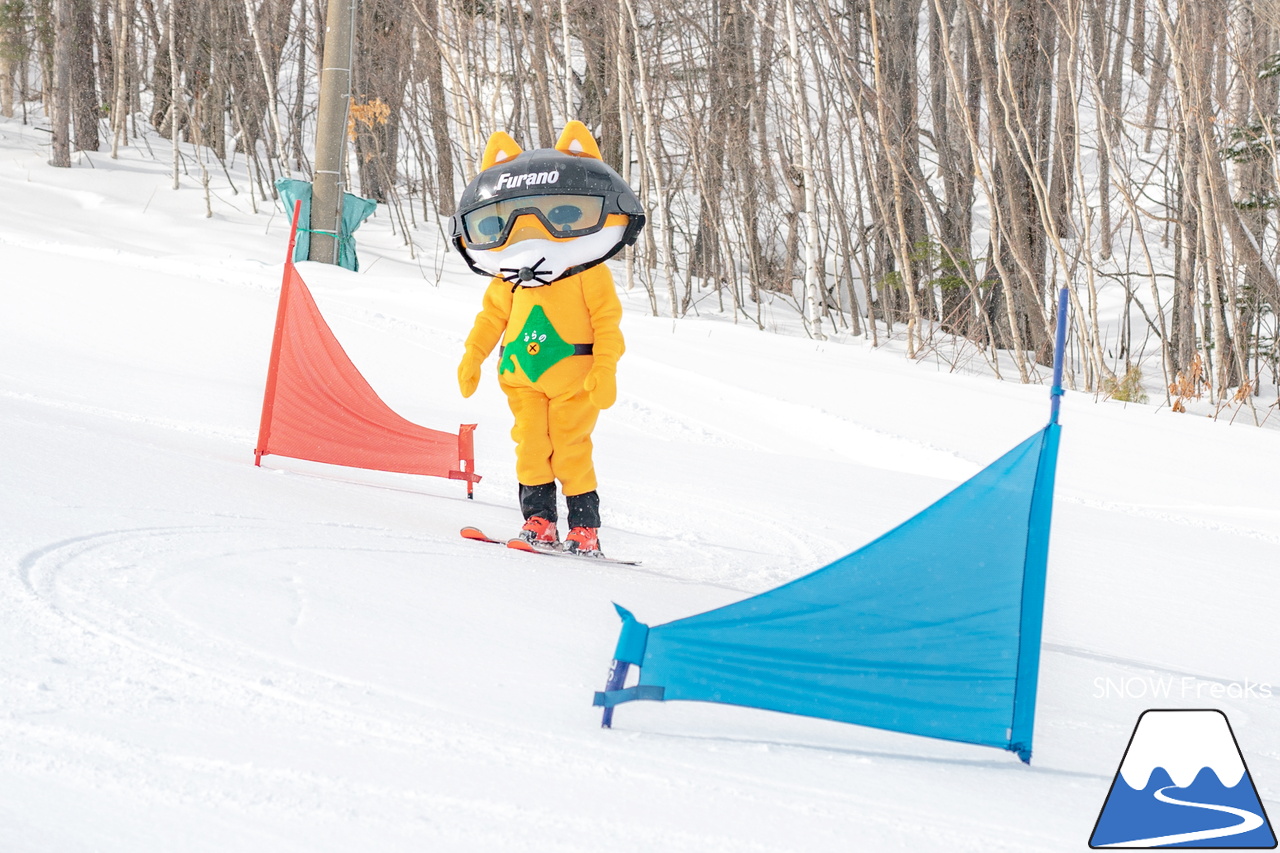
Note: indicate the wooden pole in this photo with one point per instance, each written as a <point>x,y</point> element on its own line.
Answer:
<point>331,131</point>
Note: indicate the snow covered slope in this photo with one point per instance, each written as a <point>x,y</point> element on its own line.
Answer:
<point>200,655</point>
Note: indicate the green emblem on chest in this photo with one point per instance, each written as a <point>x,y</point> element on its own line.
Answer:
<point>536,349</point>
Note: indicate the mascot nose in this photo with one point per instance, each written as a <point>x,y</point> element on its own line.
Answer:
<point>527,228</point>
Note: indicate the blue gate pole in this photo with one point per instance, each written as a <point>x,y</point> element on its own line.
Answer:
<point>1059,348</point>
<point>617,679</point>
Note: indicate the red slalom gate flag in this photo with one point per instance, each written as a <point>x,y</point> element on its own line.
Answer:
<point>318,406</point>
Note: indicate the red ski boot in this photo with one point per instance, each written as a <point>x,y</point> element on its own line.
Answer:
<point>583,541</point>
<point>540,533</point>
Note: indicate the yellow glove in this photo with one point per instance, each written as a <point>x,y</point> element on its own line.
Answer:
<point>469,374</point>
<point>601,386</point>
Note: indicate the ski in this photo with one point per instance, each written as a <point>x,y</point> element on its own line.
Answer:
<point>521,545</point>
<point>475,534</point>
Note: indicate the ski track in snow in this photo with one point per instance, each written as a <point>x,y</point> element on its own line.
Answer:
<point>239,437</point>
<point>1134,664</point>
<point>242,273</point>
<point>103,586</point>
<point>1184,516</point>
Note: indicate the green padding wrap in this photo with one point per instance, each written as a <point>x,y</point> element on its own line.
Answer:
<point>354,211</point>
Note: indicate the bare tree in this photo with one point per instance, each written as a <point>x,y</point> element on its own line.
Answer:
<point>931,170</point>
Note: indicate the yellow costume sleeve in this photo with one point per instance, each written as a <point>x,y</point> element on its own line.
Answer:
<point>606,315</point>
<point>485,334</point>
<point>605,312</point>
<point>491,322</point>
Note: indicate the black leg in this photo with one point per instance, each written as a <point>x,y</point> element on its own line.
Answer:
<point>584,509</point>
<point>538,501</point>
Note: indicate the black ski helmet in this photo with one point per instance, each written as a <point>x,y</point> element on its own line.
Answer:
<point>550,172</point>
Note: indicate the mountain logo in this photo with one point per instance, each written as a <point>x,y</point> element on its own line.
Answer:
<point>1183,783</point>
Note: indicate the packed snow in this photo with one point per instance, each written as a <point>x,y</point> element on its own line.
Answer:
<point>198,654</point>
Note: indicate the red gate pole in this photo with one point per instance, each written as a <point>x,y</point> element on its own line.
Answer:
<point>269,396</point>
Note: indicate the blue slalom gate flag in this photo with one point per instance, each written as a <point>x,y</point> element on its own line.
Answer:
<point>932,629</point>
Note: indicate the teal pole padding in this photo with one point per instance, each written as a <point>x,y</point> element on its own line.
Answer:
<point>291,191</point>
<point>355,210</point>
<point>633,639</point>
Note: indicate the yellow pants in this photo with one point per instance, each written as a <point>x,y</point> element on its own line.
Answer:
<point>553,438</point>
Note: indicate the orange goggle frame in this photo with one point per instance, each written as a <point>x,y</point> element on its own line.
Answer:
<point>563,215</point>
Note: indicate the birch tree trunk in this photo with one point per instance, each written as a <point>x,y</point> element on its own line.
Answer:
<point>800,106</point>
<point>60,114</point>
<point>13,53</point>
<point>120,84</point>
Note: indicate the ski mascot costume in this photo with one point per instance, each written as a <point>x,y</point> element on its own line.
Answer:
<point>541,224</point>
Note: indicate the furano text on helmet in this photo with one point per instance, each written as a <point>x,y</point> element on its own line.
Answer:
<point>509,181</point>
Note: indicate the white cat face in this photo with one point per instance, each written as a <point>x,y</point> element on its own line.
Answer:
<point>546,259</point>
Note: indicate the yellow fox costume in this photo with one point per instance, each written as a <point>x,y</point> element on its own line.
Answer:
<point>542,223</point>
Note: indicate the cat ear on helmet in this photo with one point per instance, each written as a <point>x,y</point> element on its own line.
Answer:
<point>499,149</point>
<point>576,139</point>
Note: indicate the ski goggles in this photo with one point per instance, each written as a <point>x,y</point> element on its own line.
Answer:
<point>489,226</point>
